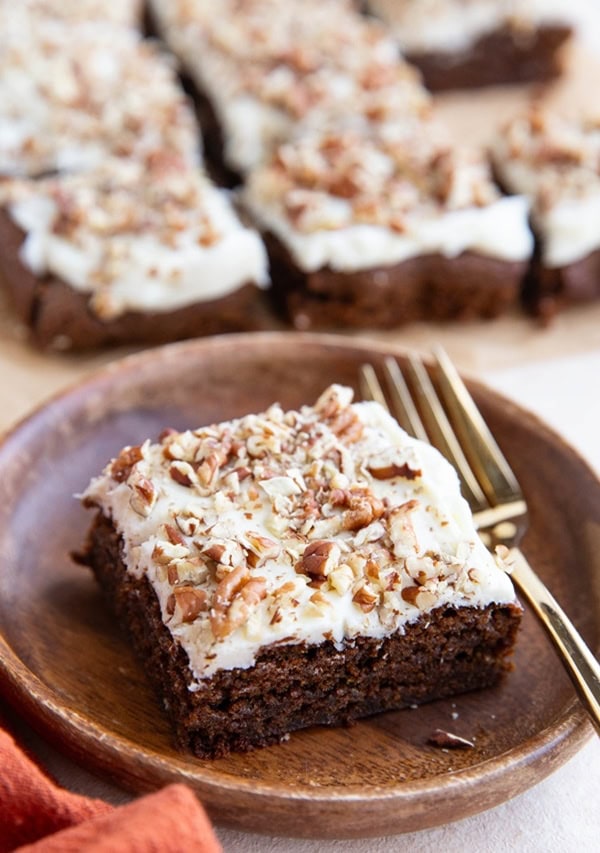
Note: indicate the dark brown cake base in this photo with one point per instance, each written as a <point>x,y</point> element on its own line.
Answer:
<point>296,686</point>
<point>428,287</point>
<point>59,316</point>
<point>547,289</point>
<point>504,56</point>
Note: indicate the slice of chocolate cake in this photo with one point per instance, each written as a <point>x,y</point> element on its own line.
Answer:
<point>74,94</point>
<point>299,568</point>
<point>264,69</point>
<point>555,162</point>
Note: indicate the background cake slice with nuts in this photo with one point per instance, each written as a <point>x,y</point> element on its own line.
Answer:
<point>378,229</point>
<point>555,162</point>
<point>74,94</point>
<point>130,252</point>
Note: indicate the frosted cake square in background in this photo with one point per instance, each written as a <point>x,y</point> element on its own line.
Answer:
<point>265,69</point>
<point>464,44</point>
<point>129,252</point>
<point>555,162</point>
<point>72,95</point>
<point>376,230</point>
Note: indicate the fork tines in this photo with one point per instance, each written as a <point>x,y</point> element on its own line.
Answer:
<point>432,403</point>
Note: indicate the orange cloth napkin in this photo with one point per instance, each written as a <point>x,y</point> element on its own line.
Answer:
<point>37,815</point>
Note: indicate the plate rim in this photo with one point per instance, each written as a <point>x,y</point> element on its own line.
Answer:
<point>547,749</point>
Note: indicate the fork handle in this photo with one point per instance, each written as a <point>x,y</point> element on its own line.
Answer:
<point>581,665</point>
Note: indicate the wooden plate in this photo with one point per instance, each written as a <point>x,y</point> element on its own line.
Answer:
<point>66,668</point>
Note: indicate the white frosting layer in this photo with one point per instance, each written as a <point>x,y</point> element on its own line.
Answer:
<point>135,241</point>
<point>452,26</point>
<point>225,541</point>
<point>73,94</point>
<point>498,230</point>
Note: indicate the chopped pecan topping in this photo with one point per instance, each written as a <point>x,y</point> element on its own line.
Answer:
<point>388,472</point>
<point>409,593</point>
<point>190,601</point>
<point>122,465</point>
<point>174,536</point>
<point>401,529</point>
<point>215,552</point>
<point>363,507</point>
<point>235,594</point>
<point>209,469</point>
<point>144,496</point>
<point>419,596</point>
<point>347,425</point>
<point>182,473</point>
<point>254,591</point>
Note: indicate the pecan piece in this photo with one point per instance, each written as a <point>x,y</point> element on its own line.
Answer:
<point>319,558</point>
<point>409,593</point>
<point>366,598</point>
<point>209,469</point>
<point>174,536</point>
<point>254,591</point>
<point>144,496</point>
<point>388,472</point>
<point>346,425</point>
<point>401,529</point>
<point>191,602</point>
<point>419,596</point>
<point>182,473</point>
<point>120,468</point>
<point>214,552</point>
<point>363,510</point>
<point>234,596</point>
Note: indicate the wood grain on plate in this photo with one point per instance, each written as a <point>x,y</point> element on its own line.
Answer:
<point>67,669</point>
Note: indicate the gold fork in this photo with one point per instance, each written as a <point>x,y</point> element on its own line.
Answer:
<point>451,421</point>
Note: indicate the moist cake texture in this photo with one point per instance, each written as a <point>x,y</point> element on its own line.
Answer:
<point>555,162</point>
<point>268,567</point>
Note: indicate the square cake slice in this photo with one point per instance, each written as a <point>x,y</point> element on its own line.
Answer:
<point>262,69</point>
<point>376,229</point>
<point>297,568</point>
<point>555,162</point>
<point>74,94</point>
<point>127,253</point>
